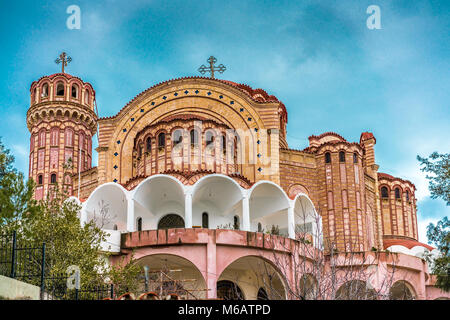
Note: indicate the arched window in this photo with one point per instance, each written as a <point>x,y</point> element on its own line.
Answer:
<point>342,156</point>
<point>42,136</point>
<point>327,157</point>
<point>115,227</point>
<point>161,140</point>
<point>177,137</point>
<point>139,151</point>
<point>262,294</point>
<point>355,158</point>
<point>148,144</point>
<point>53,178</point>
<point>209,138</point>
<point>205,220</point>
<point>407,195</point>
<point>259,227</point>
<point>224,144</point>
<point>54,136</point>
<point>171,221</point>
<point>74,91</point>
<point>68,136</point>
<point>60,89</point>
<point>384,192</point>
<point>44,93</point>
<point>397,193</point>
<point>139,224</point>
<point>86,97</point>
<point>194,137</point>
<point>228,290</point>
<point>236,223</point>
<point>40,179</point>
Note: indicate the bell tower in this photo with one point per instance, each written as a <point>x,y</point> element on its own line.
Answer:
<point>62,121</point>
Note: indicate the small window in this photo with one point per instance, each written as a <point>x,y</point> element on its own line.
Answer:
<point>259,227</point>
<point>407,195</point>
<point>209,138</point>
<point>327,157</point>
<point>162,140</point>
<point>205,220</point>
<point>236,223</point>
<point>139,224</point>
<point>194,137</point>
<point>40,179</point>
<point>115,227</point>
<point>397,193</point>
<point>53,178</point>
<point>148,144</point>
<point>355,158</point>
<point>342,156</point>
<point>60,89</point>
<point>86,97</point>
<point>140,151</point>
<point>384,192</point>
<point>44,93</point>
<point>177,137</point>
<point>74,91</point>
<point>224,144</point>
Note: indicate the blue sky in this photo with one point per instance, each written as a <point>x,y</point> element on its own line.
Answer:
<point>318,57</point>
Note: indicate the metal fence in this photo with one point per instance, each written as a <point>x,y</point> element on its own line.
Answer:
<point>27,264</point>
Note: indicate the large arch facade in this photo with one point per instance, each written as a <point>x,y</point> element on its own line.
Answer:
<point>215,100</point>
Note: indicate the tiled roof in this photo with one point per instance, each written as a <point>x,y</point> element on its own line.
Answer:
<point>366,136</point>
<point>386,176</point>
<point>406,243</point>
<point>258,95</point>
<point>327,134</point>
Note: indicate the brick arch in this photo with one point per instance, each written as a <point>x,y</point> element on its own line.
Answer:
<point>224,113</point>
<point>295,189</point>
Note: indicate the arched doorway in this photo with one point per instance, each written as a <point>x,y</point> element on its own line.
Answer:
<point>401,290</point>
<point>256,278</point>
<point>170,221</point>
<point>228,290</point>
<point>169,275</point>
<point>355,290</point>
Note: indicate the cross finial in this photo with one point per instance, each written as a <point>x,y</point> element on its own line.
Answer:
<point>64,59</point>
<point>211,60</point>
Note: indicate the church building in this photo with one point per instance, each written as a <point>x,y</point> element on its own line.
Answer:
<point>196,174</point>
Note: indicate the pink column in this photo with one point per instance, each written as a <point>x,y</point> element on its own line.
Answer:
<point>211,276</point>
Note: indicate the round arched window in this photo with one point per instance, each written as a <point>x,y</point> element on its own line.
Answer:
<point>171,221</point>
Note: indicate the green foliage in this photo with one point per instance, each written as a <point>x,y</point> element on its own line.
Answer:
<point>125,276</point>
<point>16,202</point>
<point>439,166</point>
<point>439,235</point>
<point>55,222</point>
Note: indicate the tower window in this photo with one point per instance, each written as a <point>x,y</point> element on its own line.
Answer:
<point>355,158</point>
<point>161,140</point>
<point>44,93</point>
<point>60,89</point>
<point>397,193</point>
<point>327,157</point>
<point>40,179</point>
<point>259,227</point>
<point>407,195</point>
<point>384,192</point>
<point>53,178</point>
<point>236,223</point>
<point>74,91</point>
<point>205,220</point>
<point>86,97</point>
<point>194,137</point>
<point>342,156</point>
